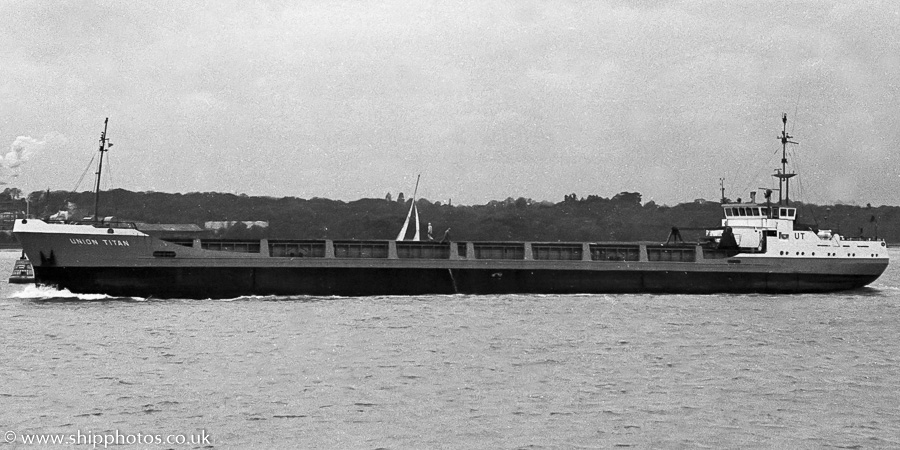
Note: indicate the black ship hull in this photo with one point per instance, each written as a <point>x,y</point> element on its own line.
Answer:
<point>129,263</point>
<point>757,249</point>
<point>230,282</point>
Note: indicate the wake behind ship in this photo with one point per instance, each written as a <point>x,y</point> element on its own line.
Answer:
<point>757,248</point>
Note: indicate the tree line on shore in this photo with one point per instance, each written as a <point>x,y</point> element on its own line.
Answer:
<point>622,217</point>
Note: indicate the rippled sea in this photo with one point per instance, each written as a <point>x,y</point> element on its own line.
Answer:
<point>512,371</point>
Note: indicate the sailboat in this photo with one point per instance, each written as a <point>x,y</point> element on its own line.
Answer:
<point>412,210</point>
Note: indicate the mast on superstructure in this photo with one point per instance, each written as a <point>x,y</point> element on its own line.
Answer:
<point>104,147</point>
<point>783,175</point>
<point>722,187</point>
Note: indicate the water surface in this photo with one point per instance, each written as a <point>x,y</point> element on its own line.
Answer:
<point>511,371</point>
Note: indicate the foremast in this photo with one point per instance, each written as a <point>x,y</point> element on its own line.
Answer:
<point>104,147</point>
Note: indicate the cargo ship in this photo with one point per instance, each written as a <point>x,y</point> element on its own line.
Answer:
<point>757,248</point>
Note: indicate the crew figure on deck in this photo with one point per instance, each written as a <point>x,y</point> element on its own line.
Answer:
<point>674,236</point>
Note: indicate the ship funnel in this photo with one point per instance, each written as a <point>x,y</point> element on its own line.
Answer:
<point>753,197</point>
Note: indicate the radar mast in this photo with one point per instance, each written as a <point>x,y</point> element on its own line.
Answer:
<point>783,175</point>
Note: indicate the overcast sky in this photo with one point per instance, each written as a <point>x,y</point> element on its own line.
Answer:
<point>486,99</point>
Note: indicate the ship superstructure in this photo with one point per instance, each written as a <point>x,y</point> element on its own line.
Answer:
<point>762,230</point>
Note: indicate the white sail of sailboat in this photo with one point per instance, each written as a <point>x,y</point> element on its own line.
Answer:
<point>402,233</point>
<point>416,237</point>
<point>412,208</point>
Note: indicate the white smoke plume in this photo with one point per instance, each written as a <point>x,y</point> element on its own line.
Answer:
<point>23,149</point>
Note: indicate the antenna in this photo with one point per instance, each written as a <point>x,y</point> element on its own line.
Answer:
<point>722,187</point>
<point>783,175</point>
<point>104,147</point>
